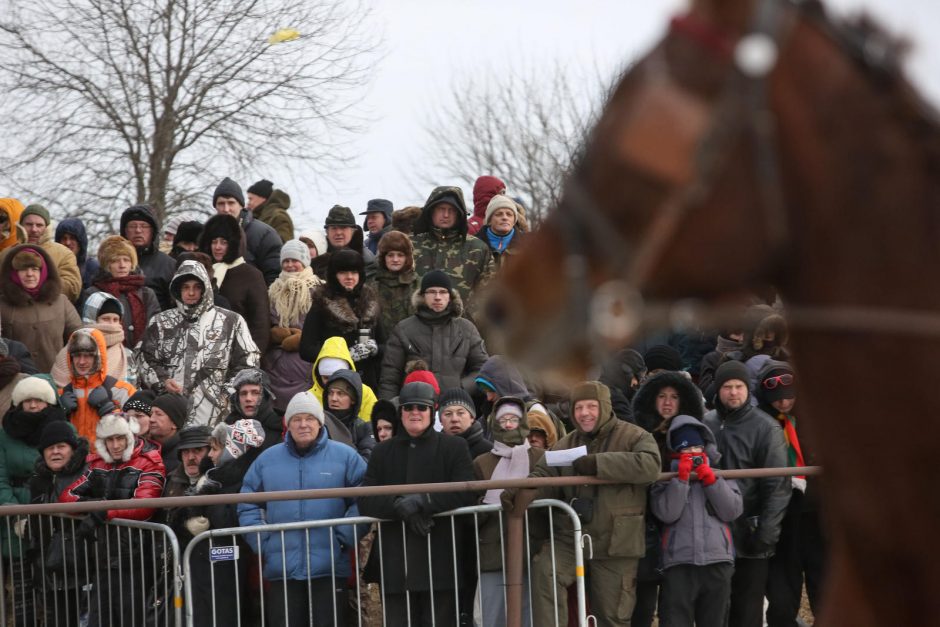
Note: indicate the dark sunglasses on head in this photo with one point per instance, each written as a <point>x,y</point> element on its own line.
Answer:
<point>781,379</point>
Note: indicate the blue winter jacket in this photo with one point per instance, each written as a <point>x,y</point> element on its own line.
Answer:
<point>328,464</point>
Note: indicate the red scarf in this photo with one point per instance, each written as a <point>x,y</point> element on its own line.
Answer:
<point>795,453</point>
<point>130,287</point>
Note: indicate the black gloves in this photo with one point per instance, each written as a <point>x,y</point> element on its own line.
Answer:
<point>88,529</point>
<point>101,401</point>
<point>68,402</point>
<point>413,509</point>
<point>586,465</point>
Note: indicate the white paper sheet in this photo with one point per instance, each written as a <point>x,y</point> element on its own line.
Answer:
<point>564,457</point>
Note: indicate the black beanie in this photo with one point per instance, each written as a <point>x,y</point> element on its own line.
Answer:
<point>662,357</point>
<point>174,406</point>
<point>55,432</point>
<point>436,278</point>
<point>457,396</point>
<point>111,306</point>
<point>263,188</point>
<point>229,189</point>
<point>731,370</point>
<point>141,401</point>
<point>779,392</point>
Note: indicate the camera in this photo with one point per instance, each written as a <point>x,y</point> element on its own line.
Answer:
<point>697,460</point>
<point>584,508</point>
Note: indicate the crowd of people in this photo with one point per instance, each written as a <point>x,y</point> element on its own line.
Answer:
<point>237,356</point>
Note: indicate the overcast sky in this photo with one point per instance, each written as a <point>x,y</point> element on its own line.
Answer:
<point>428,42</point>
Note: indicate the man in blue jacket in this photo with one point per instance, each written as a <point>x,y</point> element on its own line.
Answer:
<point>307,569</point>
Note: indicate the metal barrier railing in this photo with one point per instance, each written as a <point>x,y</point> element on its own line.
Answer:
<point>56,573</point>
<point>262,533</point>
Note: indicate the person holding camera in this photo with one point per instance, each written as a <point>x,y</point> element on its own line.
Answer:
<point>698,555</point>
<point>613,515</point>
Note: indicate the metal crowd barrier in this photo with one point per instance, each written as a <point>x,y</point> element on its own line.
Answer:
<point>128,576</point>
<point>231,551</point>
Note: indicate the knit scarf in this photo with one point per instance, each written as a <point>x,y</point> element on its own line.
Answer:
<point>291,296</point>
<point>27,426</point>
<point>794,452</point>
<point>32,291</point>
<point>221,268</point>
<point>130,288</point>
<point>497,242</point>
<point>513,464</point>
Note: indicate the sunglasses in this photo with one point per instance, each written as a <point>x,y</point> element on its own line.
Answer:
<point>781,379</point>
<point>414,407</point>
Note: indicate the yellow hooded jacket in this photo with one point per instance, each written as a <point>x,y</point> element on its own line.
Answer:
<point>336,347</point>
<point>13,208</point>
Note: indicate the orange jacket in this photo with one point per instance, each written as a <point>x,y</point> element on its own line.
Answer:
<point>13,208</point>
<point>85,417</point>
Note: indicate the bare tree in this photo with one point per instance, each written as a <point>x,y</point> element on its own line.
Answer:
<point>113,102</point>
<point>526,127</point>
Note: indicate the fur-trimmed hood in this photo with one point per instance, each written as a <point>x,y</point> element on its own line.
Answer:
<point>112,425</point>
<point>14,294</point>
<point>644,403</point>
<point>455,308</point>
<point>351,314</point>
<point>228,228</point>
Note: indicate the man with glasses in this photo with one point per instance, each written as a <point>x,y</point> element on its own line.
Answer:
<point>749,438</point>
<point>139,226</point>
<point>413,589</point>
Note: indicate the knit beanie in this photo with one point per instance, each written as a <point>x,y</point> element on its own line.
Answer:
<point>343,385</point>
<point>237,438</point>
<point>36,387</point>
<point>303,403</point>
<point>111,306</point>
<point>779,391</point>
<point>142,401</point>
<point>685,436</point>
<point>174,406</point>
<point>500,202</point>
<point>456,396</point>
<point>340,216</point>
<point>436,278</point>
<point>36,210</point>
<point>423,376</point>
<point>229,189</point>
<point>56,432</point>
<point>297,250</point>
<point>113,247</point>
<point>662,357</point>
<point>263,188</point>
<point>731,370</point>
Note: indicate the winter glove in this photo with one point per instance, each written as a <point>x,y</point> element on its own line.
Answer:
<point>88,528</point>
<point>19,527</point>
<point>420,525</point>
<point>197,524</point>
<point>705,474</point>
<point>279,334</point>
<point>101,401</point>
<point>68,402</point>
<point>586,465</point>
<point>408,506</point>
<point>363,350</point>
<point>685,467</point>
<point>291,343</point>
<point>756,547</point>
<point>508,500</point>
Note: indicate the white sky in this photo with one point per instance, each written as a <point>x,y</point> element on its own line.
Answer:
<point>427,42</point>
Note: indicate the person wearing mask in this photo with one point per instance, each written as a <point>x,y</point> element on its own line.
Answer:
<point>240,283</point>
<point>121,277</point>
<point>33,308</point>
<point>140,227</point>
<point>291,297</point>
<point>262,243</point>
<point>306,569</point>
<point>417,454</point>
<point>341,400</point>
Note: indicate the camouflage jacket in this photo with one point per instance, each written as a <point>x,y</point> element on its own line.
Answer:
<point>468,262</point>
<point>395,290</point>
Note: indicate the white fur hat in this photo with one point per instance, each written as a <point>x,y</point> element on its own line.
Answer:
<point>34,387</point>
<point>303,403</point>
<point>109,426</point>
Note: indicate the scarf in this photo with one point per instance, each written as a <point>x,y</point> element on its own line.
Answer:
<point>291,295</point>
<point>499,243</point>
<point>513,464</point>
<point>27,426</point>
<point>794,452</point>
<point>130,287</point>
<point>221,268</point>
<point>32,291</point>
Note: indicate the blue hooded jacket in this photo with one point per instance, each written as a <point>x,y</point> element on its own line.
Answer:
<point>87,266</point>
<point>328,464</point>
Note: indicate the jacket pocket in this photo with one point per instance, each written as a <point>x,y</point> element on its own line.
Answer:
<point>628,536</point>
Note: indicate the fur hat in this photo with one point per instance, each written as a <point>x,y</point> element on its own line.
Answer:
<point>174,406</point>
<point>229,189</point>
<point>263,188</point>
<point>36,210</point>
<point>398,242</point>
<point>345,260</point>
<point>340,216</point>
<point>188,231</point>
<point>113,247</point>
<point>662,357</point>
<point>540,421</point>
<point>109,426</point>
<point>404,219</point>
<point>82,341</point>
<point>237,438</point>
<point>297,250</point>
<point>500,202</point>
<point>303,403</point>
<point>224,226</point>
<point>27,258</point>
<point>34,387</point>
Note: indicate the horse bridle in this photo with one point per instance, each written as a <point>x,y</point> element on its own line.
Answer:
<point>742,109</point>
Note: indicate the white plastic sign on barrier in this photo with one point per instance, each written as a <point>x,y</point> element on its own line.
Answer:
<point>223,553</point>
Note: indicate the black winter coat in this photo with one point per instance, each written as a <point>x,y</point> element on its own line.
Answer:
<point>432,457</point>
<point>749,438</point>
